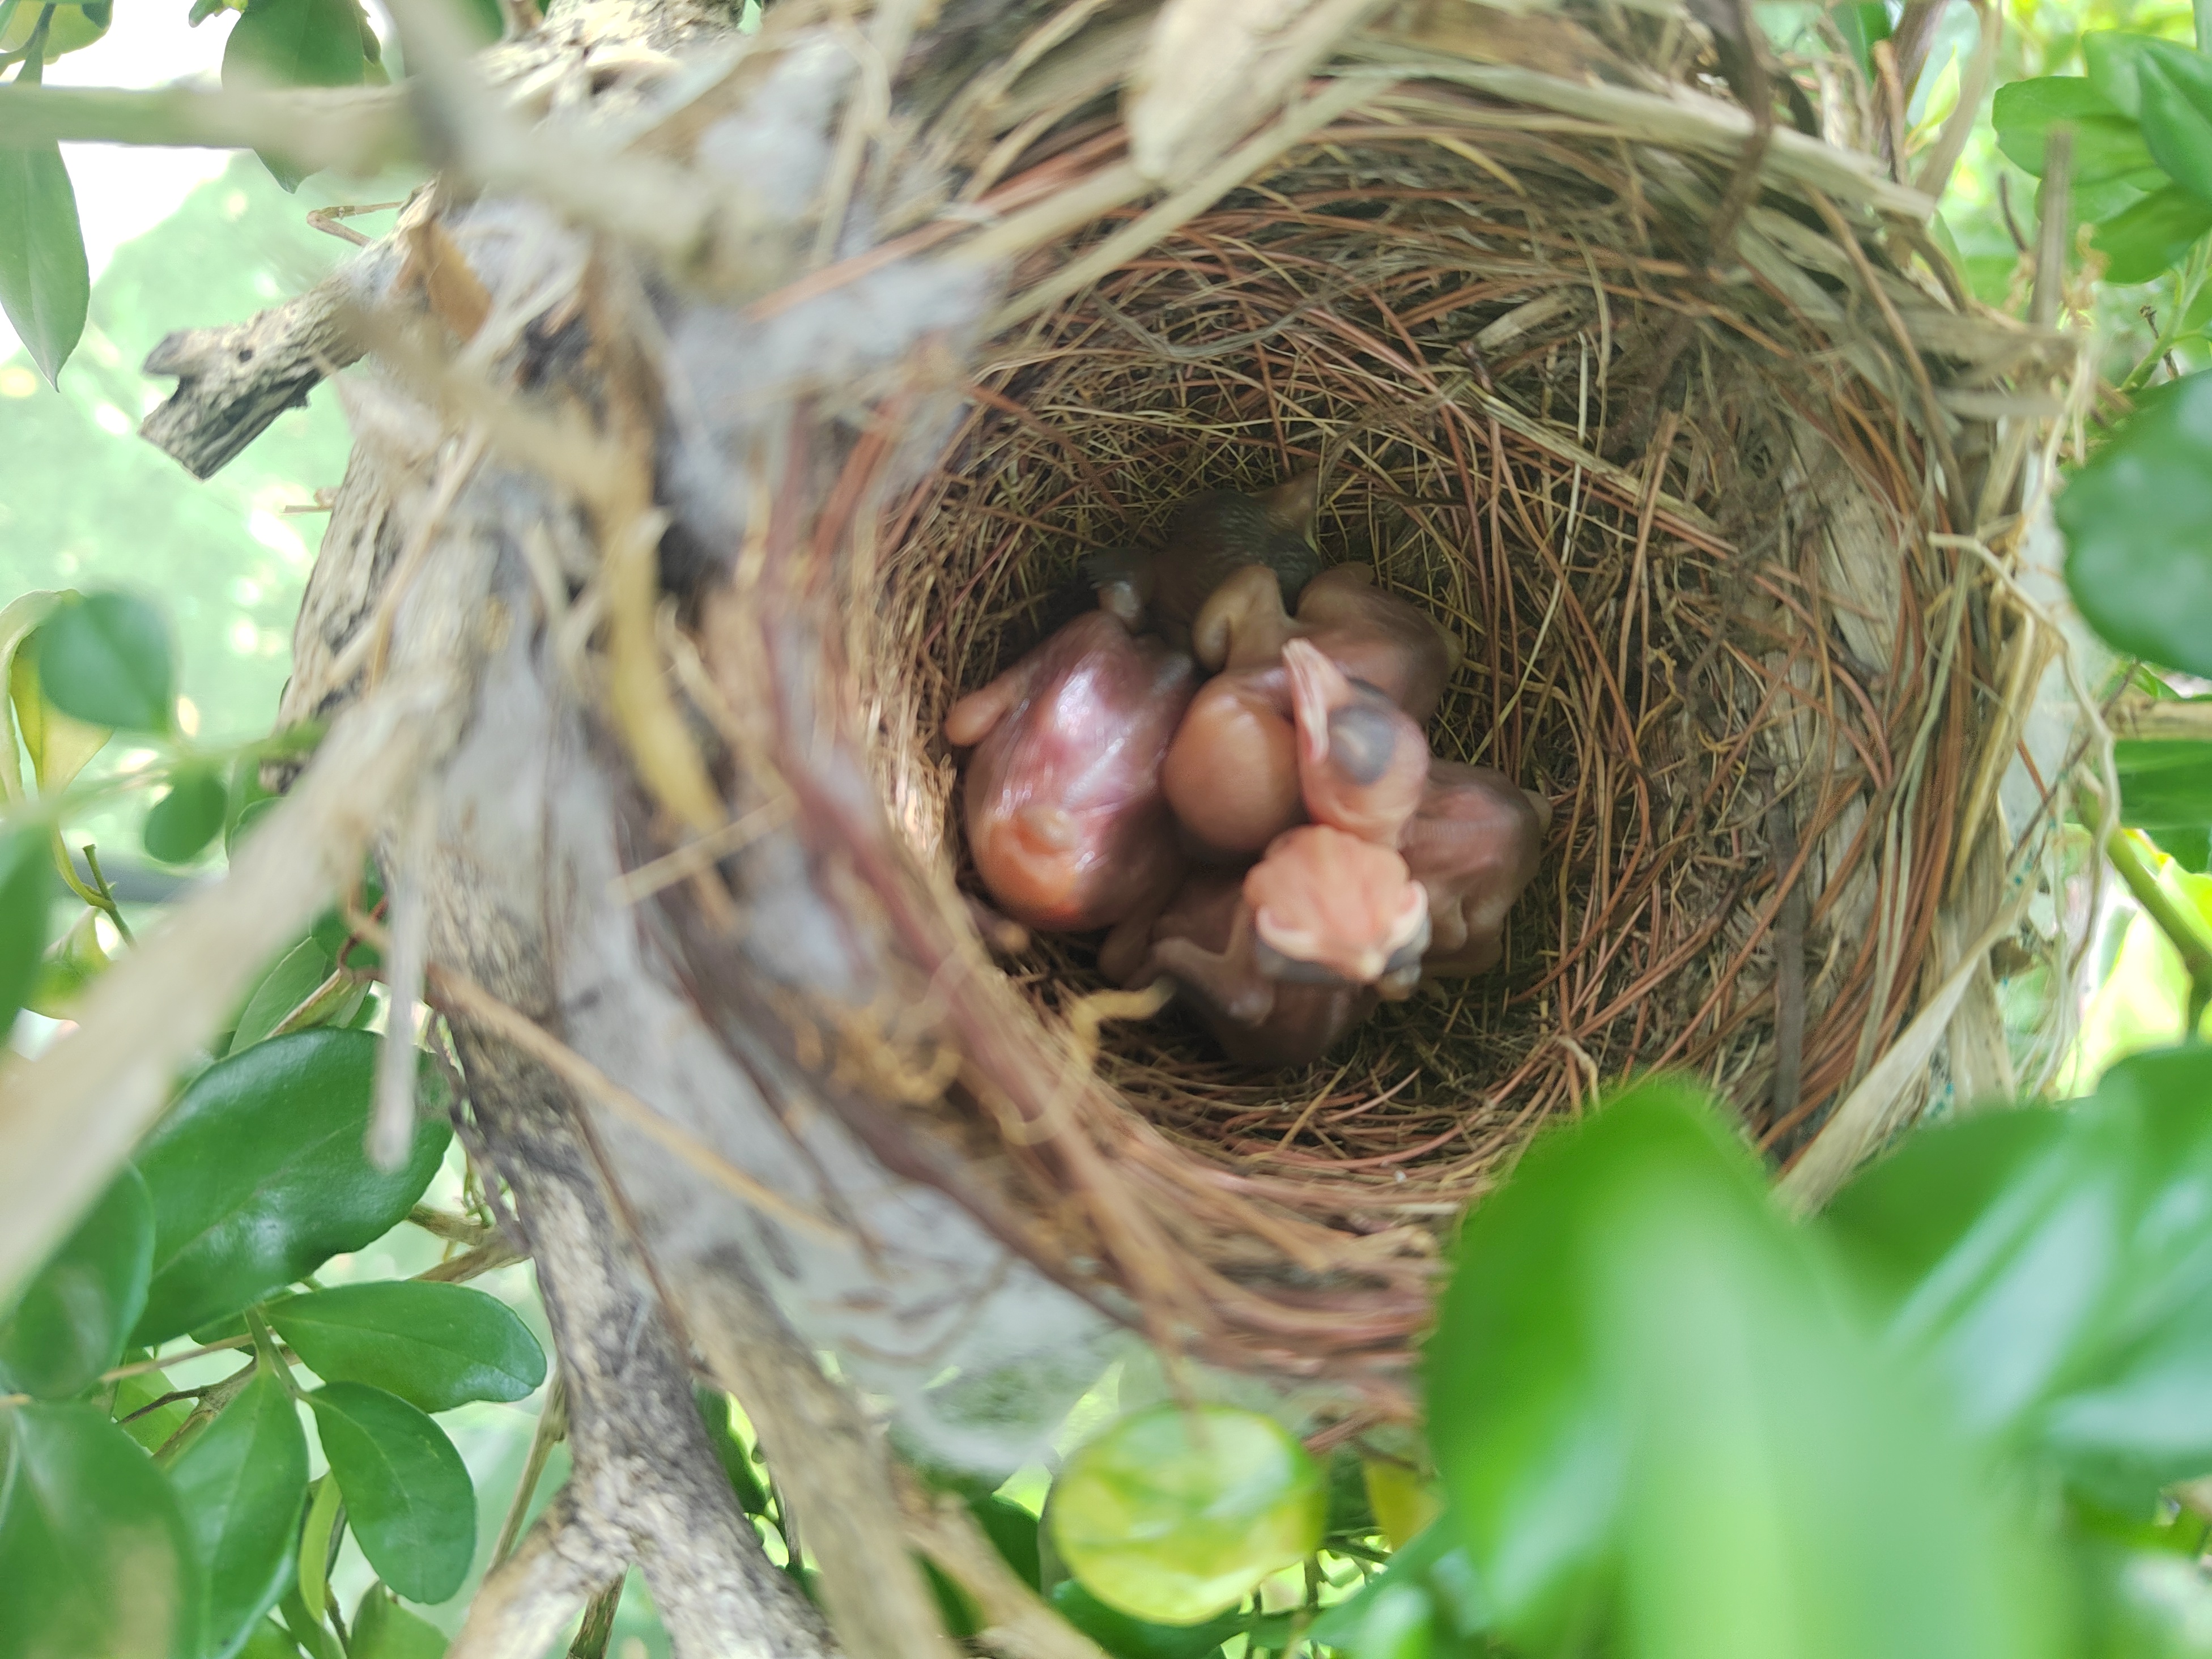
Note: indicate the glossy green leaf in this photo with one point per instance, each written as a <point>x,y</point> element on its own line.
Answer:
<point>1174,1515</point>
<point>2175,89</point>
<point>382,1629</point>
<point>186,817</point>
<point>2064,1297</point>
<point>1626,1363</point>
<point>69,1323</point>
<point>2150,239</point>
<point>26,891</point>
<point>2107,143</point>
<point>2133,515</point>
<point>1127,1638</point>
<point>408,1495</point>
<point>45,282</point>
<point>242,1483</point>
<point>282,990</point>
<point>259,1176</point>
<point>435,1346</point>
<point>105,659</point>
<point>152,1429</point>
<point>95,1555</point>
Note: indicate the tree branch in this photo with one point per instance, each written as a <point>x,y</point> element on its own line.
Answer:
<point>358,129</point>
<point>527,1600</point>
<point>236,379</point>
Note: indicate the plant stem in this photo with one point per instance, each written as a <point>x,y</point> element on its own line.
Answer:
<point>2188,936</point>
<point>106,900</point>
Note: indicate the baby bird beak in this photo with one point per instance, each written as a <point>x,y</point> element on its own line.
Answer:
<point>1363,765</point>
<point>1329,907</point>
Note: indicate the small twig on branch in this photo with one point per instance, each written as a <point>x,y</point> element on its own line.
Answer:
<point>233,380</point>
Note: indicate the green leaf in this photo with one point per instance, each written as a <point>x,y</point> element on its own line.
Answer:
<point>75,23</point>
<point>2165,784</point>
<point>188,817</point>
<point>57,745</point>
<point>1175,1513</point>
<point>2107,143</point>
<point>407,1492</point>
<point>2144,1604</point>
<point>1012,1531</point>
<point>2112,60</point>
<point>2133,516</point>
<point>2174,85</point>
<point>1627,1358</point>
<point>294,43</point>
<point>44,281</point>
<point>259,1176</point>
<point>435,1346</point>
<point>316,1536</point>
<point>270,1640</point>
<point>69,1323</point>
<point>242,1483</point>
<point>104,658</point>
<point>2149,239</point>
<point>1861,25</point>
<point>382,1629</point>
<point>714,1411</point>
<point>282,990</point>
<point>151,1428</point>
<point>26,891</point>
<point>1424,1601</point>
<point>1127,1637</point>
<point>95,1554</point>
<point>2065,1296</point>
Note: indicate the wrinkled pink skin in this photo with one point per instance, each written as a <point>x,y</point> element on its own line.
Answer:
<point>1206,941</point>
<point>1065,817</point>
<point>1475,845</point>
<point>1254,757</point>
<point>1394,646</point>
<point>1232,774</point>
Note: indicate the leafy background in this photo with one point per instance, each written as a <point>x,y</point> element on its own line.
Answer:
<point>2004,1334</point>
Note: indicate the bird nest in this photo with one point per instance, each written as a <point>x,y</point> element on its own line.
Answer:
<point>1687,438</point>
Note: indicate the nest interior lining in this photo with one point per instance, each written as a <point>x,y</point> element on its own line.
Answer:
<point>1681,559</point>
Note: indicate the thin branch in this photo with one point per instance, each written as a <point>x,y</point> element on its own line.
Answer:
<point>527,1600</point>
<point>356,130</point>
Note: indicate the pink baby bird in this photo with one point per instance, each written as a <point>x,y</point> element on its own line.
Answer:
<point>1065,817</point>
<point>1473,845</point>
<point>1391,644</point>
<point>1280,963</point>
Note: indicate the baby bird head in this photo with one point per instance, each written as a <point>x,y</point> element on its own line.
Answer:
<point>1329,907</point>
<point>1363,764</point>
